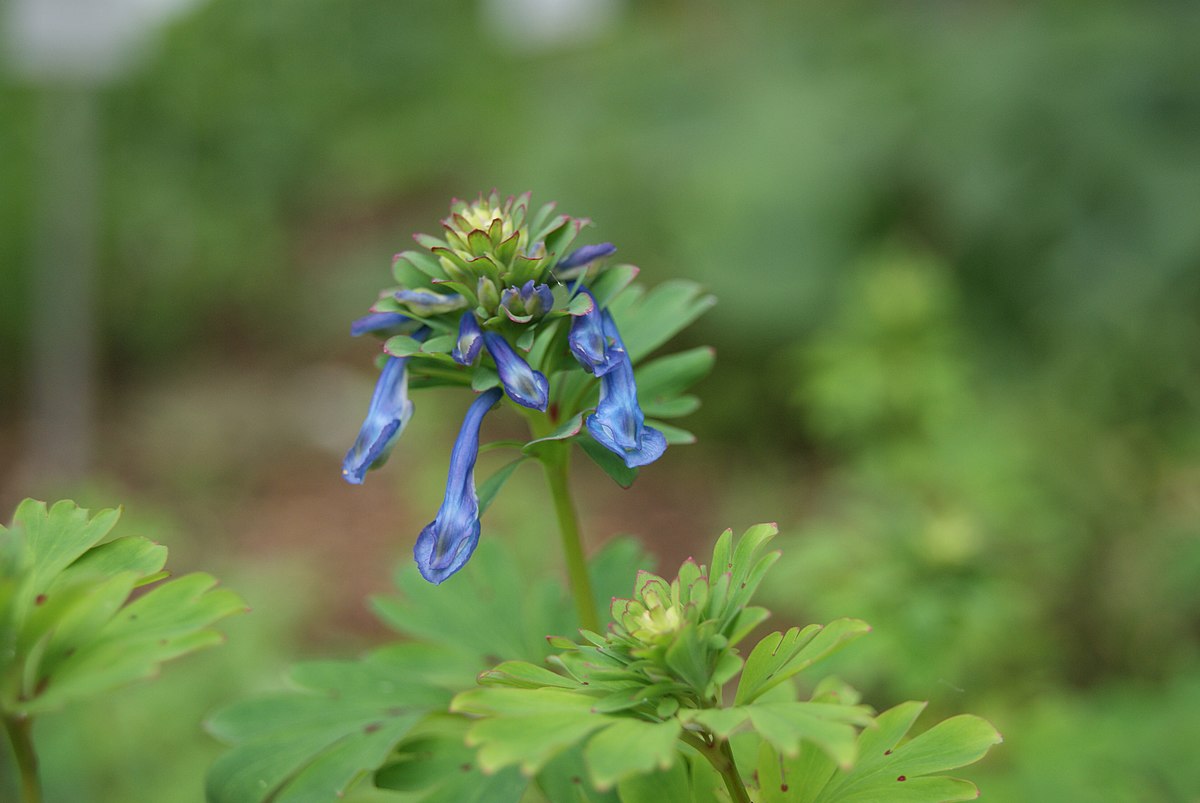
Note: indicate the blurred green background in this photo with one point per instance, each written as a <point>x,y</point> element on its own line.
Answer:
<point>957,251</point>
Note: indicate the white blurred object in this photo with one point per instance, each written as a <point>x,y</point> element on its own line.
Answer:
<point>542,24</point>
<point>82,41</point>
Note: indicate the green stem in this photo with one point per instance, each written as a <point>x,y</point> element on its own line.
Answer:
<point>729,771</point>
<point>720,755</point>
<point>20,734</point>
<point>556,463</point>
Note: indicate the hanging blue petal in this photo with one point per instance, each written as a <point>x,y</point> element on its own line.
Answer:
<point>618,423</point>
<point>470,340</point>
<point>388,414</point>
<point>378,322</point>
<point>444,546</point>
<point>584,255</point>
<point>523,385</point>
<point>593,347</point>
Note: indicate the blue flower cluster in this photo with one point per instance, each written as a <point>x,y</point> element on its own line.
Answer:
<point>517,285</point>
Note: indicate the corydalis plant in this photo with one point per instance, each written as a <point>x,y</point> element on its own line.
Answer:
<point>646,703</point>
<point>502,302</point>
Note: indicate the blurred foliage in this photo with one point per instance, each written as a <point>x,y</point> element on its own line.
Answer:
<point>956,251</point>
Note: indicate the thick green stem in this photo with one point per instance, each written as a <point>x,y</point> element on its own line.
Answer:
<point>20,734</point>
<point>729,771</point>
<point>720,755</point>
<point>556,462</point>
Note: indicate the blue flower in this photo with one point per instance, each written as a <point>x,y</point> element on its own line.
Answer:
<point>444,546</point>
<point>618,423</point>
<point>523,385</point>
<point>531,301</point>
<point>593,348</point>
<point>470,340</point>
<point>584,255</point>
<point>387,416</point>
<point>378,322</point>
<point>427,302</point>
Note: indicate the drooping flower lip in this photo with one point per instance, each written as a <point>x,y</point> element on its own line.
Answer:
<point>446,543</point>
<point>387,416</point>
<point>618,423</point>
<point>524,385</point>
<point>470,340</point>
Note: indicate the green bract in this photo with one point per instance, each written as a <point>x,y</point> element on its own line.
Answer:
<point>487,246</point>
<point>648,697</point>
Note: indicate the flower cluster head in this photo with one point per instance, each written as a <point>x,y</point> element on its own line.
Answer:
<point>504,302</point>
<point>679,636</point>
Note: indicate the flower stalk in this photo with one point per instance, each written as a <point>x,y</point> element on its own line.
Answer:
<point>20,735</point>
<point>556,464</point>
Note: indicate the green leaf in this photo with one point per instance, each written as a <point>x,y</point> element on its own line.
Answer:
<point>648,320</point>
<point>580,305</point>
<point>484,378</point>
<point>667,377</point>
<point>442,344</point>
<point>342,722</point>
<point>68,629</point>
<point>612,465</point>
<point>524,675</point>
<point>830,727</point>
<point>565,777</point>
<point>402,346</point>
<point>780,656</point>
<point>671,408</point>
<point>886,771</point>
<point>630,747</point>
<point>463,613</point>
<point>568,429</point>
<point>674,435</point>
<point>611,281</point>
<point>434,760</point>
<point>414,268</point>
<point>492,485</point>
<point>768,657</point>
<point>670,786</point>
<point>526,727</point>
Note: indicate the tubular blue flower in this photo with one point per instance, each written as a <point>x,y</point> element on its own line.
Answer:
<point>388,414</point>
<point>592,346</point>
<point>470,340</point>
<point>444,546</point>
<point>378,322</point>
<point>583,255</point>
<point>523,385</point>
<point>427,302</point>
<point>618,423</point>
